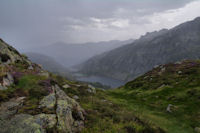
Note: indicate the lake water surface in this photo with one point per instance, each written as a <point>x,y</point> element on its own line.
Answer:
<point>103,80</point>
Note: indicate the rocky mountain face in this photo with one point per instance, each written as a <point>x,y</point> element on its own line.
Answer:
<point>165,46</point>
<point>69,55</point>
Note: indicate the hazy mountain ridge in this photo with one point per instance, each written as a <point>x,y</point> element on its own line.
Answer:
<point>129,61</point>
<point>72,54</point>
<point>49,64</point>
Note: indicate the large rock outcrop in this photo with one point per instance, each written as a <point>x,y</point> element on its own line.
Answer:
<point>10,55</point>
<point>31,101</point>
<point>66,115</point>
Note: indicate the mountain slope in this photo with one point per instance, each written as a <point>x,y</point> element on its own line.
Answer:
<point>168,96</point>
<point>34,100</point>
<point>129,61</point>
<point>72,54</point>
<point>49,64</point>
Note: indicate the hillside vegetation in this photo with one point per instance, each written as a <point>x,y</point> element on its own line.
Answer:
<point>168,96</point>
<point>164,100</point>
<point>34,100</point>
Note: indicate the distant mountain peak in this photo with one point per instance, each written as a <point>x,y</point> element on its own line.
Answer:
<point>155,48</point>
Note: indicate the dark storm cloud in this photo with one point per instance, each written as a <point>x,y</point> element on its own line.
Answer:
<point>29,23</point>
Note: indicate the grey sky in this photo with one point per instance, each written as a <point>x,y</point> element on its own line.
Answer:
<point>32,23</point>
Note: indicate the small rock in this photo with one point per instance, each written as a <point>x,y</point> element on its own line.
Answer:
<point>8,80</point>
<point>39,65</point>
<point>30,67</point>
<point>91,89</point>
<point>156,96</point>
<point>78,85</point>
<point>156,66</point>
<point>169,108</point>
<point>178,62</point>
<point>3,87</point>
<point>163,69</point>
<point>75,97</point>
<point>110,103</point>
<point>161,86</point>
<point>66,86</point>
<point>179,72</point>
<point>197,129</point>
<point>45,74</point>
<point>104,100</point>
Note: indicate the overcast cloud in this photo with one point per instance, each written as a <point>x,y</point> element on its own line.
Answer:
<point>32,23</point>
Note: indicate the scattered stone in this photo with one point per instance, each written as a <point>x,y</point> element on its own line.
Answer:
<point>39,65</point>
<point>163,69</point>
<point>78,85</point>
<point>8,80</point>
<point>104,100</point>
<point>110,103</point>
<point>197,129</point>
<point>178,62</point>
<point>91,89</point>
<point>161,86</point>
<point>66,86</point>
<point>2,87</point>
<point>179,72</point>
<point>30,67</point>
<point>75,97</point>
<point>45,74</point>
<point>169,108</point>
<point>156,66</point>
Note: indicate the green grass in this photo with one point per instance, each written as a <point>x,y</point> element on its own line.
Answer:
<point>138,107</point>
<point>148,98</point>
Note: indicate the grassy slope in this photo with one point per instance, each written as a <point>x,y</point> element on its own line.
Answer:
<point>149,95</point>
<point>139,106</point>
<point>102,116</point>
